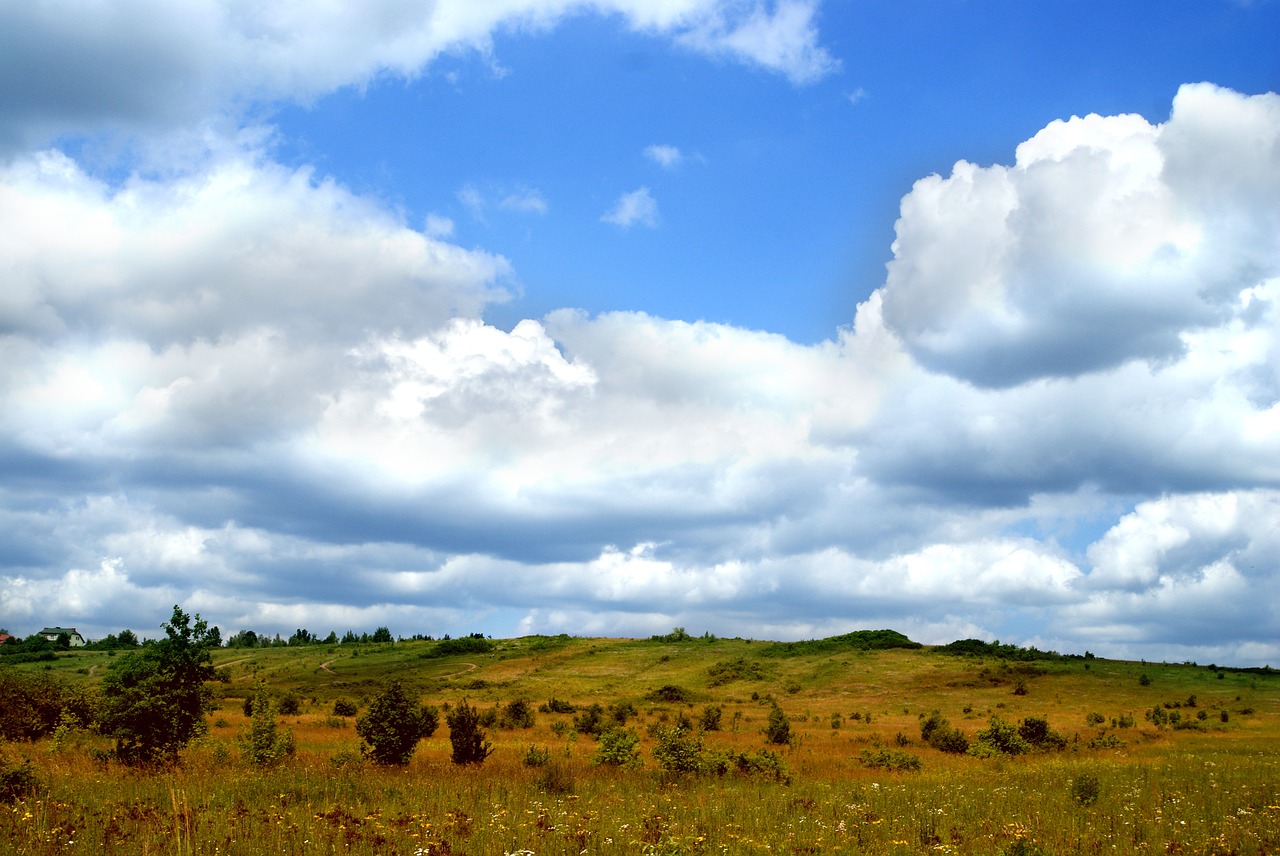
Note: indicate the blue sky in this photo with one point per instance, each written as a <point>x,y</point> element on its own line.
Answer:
<point>775,319</point>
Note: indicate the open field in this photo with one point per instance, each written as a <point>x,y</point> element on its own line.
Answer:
<point>1211,788</point>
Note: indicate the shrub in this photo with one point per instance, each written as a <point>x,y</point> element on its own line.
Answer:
<point>763,762</point>
<point>392,726</point>
<point>618,748</point>
<point>466,736</point>
<point>590,721</point>
<point>35,704</point>
<point>154,700</point>
<point>17,781</point>
<point>516,714</point>
<point>1036,731</point>
<point>727,671</point>
<point>1144,679</point>
<point>999,738</point>
<point>344,707</point>
<point>938,733</point>
<point>678,749</point>
<point>670,692</point>
<point>555,705</point>
<point>536,756</point>
<point>290,705</point>
<point>710,719</point>
<point>880,757</point>
<point>778,729</point>
<point>1094,719</point>
<point>262,743</point>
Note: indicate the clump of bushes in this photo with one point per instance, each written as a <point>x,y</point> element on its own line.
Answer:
<point>1004,738</point>
<point>881,757</point>
<point>344,707</point>
<point>938,733</point>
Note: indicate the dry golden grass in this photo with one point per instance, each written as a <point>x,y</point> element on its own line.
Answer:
<point>1209,791</point>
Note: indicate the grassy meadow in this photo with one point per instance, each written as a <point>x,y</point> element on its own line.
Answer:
<point>1208,783</point>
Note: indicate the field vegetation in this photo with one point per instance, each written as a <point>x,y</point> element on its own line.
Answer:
<point>864,743</point>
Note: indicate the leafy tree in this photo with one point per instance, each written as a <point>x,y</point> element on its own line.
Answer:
<point>466,735</point>
<point>154,700</point>
<point>382,634</point>
<point>243,639</point>
<point>34,704</point>
<point>392,726</point>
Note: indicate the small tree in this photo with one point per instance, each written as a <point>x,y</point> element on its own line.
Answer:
<point>262,743</point>
<point>778,729</point>
<point>393,725</point>
<point>154,700</point>
<point>466,735</point>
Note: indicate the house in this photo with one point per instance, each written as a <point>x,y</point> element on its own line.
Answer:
<point>5,637</point>
<point>52,634</point>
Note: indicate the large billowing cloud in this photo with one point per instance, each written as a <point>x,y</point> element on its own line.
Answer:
<point>1110,240</point>
<point>149,64</point>
<point>249,390</point>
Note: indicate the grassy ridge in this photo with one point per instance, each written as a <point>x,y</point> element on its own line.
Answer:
<point>1211,788</point>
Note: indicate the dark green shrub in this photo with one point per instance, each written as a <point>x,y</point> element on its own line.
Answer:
<point>392,726</point>
<point>670,693</point>
<point>290,705</point>
<point>938,733</point>
<point>344,707</point>
<point>516,714</point>
<point>1144,679</point>
<point>778,729</point>
<point>741,669</point>
<point>555,705</point>
<point>710,718</point>
<point>1036,731</point>
<point>590,721</point>
<point>466,736</point>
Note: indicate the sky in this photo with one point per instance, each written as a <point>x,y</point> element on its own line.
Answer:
<point>764,318</point>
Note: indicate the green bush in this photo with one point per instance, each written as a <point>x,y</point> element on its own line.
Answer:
<point>1036,731</point>
<point>710,718</point>
<point>678,750</point>
<point>392,726</point>
<point>516,714</point>
<point>778,729</point>
<point>618,747</point>
<point>34,704</point>
<point>344,707</point>
<point>536,756</point>
<point>938,733</point>
<point>880,757</point>
<point>466,736</point>
<point>999,738</point>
